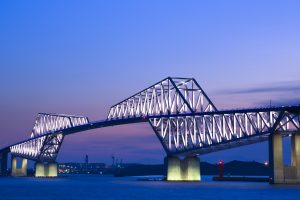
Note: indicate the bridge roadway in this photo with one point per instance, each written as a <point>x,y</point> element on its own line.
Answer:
<point>85,127</point>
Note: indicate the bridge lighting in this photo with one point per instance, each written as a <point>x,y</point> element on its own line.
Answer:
<point>182,116</point>
<point>46,137</point>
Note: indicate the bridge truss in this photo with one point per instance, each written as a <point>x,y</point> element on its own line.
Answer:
<point>206,132</point>
<point>182,116</point>
<point>169,96</point>
<point>44,147</point>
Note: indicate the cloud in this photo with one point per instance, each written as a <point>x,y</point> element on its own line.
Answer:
<point>276,87</point>
<point>277,93</point>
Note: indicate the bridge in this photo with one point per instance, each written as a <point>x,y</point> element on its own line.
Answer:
<point>185,121</point>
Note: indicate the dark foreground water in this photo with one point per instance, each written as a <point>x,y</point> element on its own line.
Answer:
<point>108,187</point>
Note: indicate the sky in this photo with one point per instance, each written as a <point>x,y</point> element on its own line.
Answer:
<point>81,57</point>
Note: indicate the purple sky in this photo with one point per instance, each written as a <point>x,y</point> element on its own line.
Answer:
<point>78,57</point>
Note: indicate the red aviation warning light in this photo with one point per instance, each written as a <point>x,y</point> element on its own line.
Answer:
<point>221,164</point>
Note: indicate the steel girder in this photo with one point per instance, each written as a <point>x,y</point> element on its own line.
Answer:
<point>211,131</point>
<point>44,147</point>
<point>169,96</point>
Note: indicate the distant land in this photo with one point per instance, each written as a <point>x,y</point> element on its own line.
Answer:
<point>234,168</point>
<point>231,168</point>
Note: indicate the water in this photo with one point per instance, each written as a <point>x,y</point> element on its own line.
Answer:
<point>108,187</point>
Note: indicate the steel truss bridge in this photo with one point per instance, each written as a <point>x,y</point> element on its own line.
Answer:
<point>182,116</point>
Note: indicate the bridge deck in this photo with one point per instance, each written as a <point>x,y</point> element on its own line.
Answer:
<point>234,142</point>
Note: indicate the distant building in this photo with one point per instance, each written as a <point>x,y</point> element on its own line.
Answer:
<point>84,168</point>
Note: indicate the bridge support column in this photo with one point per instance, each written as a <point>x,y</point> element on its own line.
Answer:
<point>280,173</point>
<point>173,168</point>
<point>52,170</point>
<point>3,164</point>
<point>39,169</point>
<point>15,171</point>
<point>45,170</point>
<point>187,169</point>
<point>275,158</point>
<point>295,155</point>
<point>190,169</point>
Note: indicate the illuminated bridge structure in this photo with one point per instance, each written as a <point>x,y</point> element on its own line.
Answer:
<point>185,121</point>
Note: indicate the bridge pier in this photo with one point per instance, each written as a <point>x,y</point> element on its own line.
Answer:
<point>15,171</point>
<point>295,155</point>
<point>45,169</point>
<point>187,169</point>
<point>3,163</point>
<point>275,158</point>
<point>279,173</point>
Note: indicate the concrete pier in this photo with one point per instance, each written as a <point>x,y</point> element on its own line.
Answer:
<point>275,158</point>
<point>39,170</point>
<point>295,154</point>
<point>190,167</point>
<point>187,169</point>
<point>3,163</point>
<point>45,169</point>
<point>52,170</point>
<point>173,168</point>
<point>15,171</point>
<point>281,174</point>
